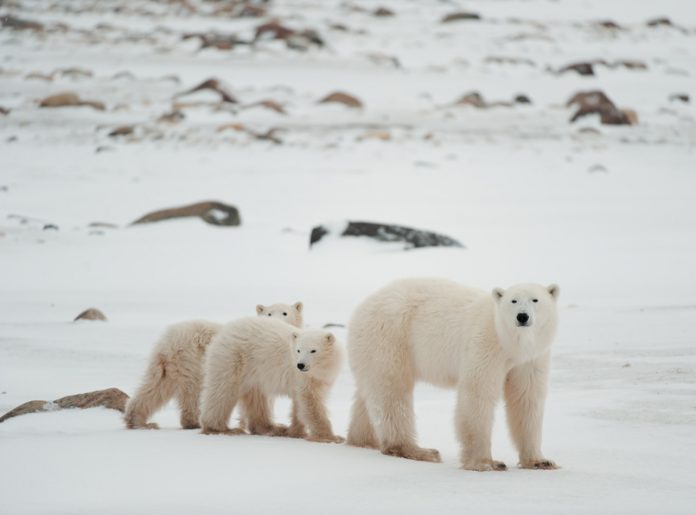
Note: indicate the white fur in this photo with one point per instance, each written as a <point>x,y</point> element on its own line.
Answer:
<point>452,336</point>
<point>262,355</point>
<point>175,369</point>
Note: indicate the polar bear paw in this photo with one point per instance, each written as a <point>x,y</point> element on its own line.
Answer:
<point>540,465</point>
<point>413,453</point>
<point>230,432</point>
<point>485,466</point>
<point>325,439</point>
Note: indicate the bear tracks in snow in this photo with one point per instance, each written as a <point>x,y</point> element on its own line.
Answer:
<point>413,238</point>
<point>212,212</point>
<point>111,398</point>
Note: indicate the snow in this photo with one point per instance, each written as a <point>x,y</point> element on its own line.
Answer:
<point>516,186</point>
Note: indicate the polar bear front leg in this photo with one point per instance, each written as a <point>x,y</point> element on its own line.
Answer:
<point>475,408</point>
<point>313,412</point>
<point>525,394</point>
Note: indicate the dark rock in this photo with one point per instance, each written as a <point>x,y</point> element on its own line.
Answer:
<point>596,102</point>
<point>14,23</point>
<point>91,314</point>
<point>214,213</point>
<point>461,16</point>
<point>383,12</point>
<point>342,98</point>
<point>213,85</point>
<point>50,227</point>
<point>585,68</point>
<point>124,130</point>
<point>413,238</point>
<point>4,111</point>
<point>522,99</point>
<point>660,22</point>
<point>680,97</point>
<point>111,398</point>
<point>609,25</point>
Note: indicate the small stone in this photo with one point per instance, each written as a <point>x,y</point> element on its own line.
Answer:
<point>580,68</point>
<point>461,16</point>
<point>680,97</point>
<point>14,23</point>
<point>383,12</point>
<point>124,130</point>
<point>473,99</point>
<point>172,117</point>
<point>212,85</point>
<point>91,314</point>
<point>342,98</point>
<point>69,99</point>
<point>4,111</point>
<point>522,99</point>
<point>50,227</point>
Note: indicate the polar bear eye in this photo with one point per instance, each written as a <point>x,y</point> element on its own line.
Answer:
<point>269,314</point>
<point>312,351</point>
<point>285,314</point>
<point>535,300</point>
<point>514,302</point>
<point>298,351</point>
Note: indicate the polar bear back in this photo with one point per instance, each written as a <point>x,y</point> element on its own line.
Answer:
<point>256,349</point>
<point>425,325</point>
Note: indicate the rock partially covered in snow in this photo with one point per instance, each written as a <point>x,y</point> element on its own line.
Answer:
<point>340,97</point>
<point>596,102</point>
<point>69,99</point>
<point>111,398</point>
<point>412,238</point>
<point>212,212</point>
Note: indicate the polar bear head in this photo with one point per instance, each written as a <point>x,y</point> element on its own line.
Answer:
<point>525,316</point>
<point>290,313</point>
<point>316,352</point>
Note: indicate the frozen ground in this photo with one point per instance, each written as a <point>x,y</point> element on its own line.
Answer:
<point>609,214</point>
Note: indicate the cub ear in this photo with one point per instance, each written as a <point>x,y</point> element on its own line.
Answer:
<point>259,309</point>
<point>330,338</point>
<point>295,336</point>
<point>298,306</point>
<point>554,290</point>
<point>498,293</point>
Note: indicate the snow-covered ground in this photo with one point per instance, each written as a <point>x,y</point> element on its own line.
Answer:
<point>609,214</point>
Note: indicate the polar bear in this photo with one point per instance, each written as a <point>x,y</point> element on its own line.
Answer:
<point>272,358</point>
<point>175,370</point>
<point>449,335</point>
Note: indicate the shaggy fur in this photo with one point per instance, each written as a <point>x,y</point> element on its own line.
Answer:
<point>176,370</point>
<point>452,336</point>
<point>270,358</point>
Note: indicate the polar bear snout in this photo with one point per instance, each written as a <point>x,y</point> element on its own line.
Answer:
<point>303,367</point>
<point>523,319</point>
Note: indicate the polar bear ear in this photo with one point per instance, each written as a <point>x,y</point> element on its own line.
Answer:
<point>554,290</point>
<point>498,293</point>
<point>330,338</point>
<point>295,336</point>
<point>298,306</point>
<point>259,309</point>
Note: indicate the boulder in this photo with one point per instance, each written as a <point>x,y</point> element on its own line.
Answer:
<point>412,238</point>
<point>212,212</point>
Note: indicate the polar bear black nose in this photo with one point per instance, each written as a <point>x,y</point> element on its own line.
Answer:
<point>300,366</point>
<point>522,318</point>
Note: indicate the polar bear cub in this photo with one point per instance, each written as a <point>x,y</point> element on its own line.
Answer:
<point>271,358</point>
<point>486,346</point>
<point>175,370</point>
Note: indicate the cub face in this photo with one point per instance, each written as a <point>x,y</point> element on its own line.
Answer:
<point>526,305</point>
<point>290,313</point>
<point>313,348</point>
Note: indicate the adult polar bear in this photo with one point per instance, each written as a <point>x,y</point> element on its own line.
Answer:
<point>449,335</point>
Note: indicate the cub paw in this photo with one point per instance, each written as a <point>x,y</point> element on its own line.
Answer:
<point>540,465</point>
